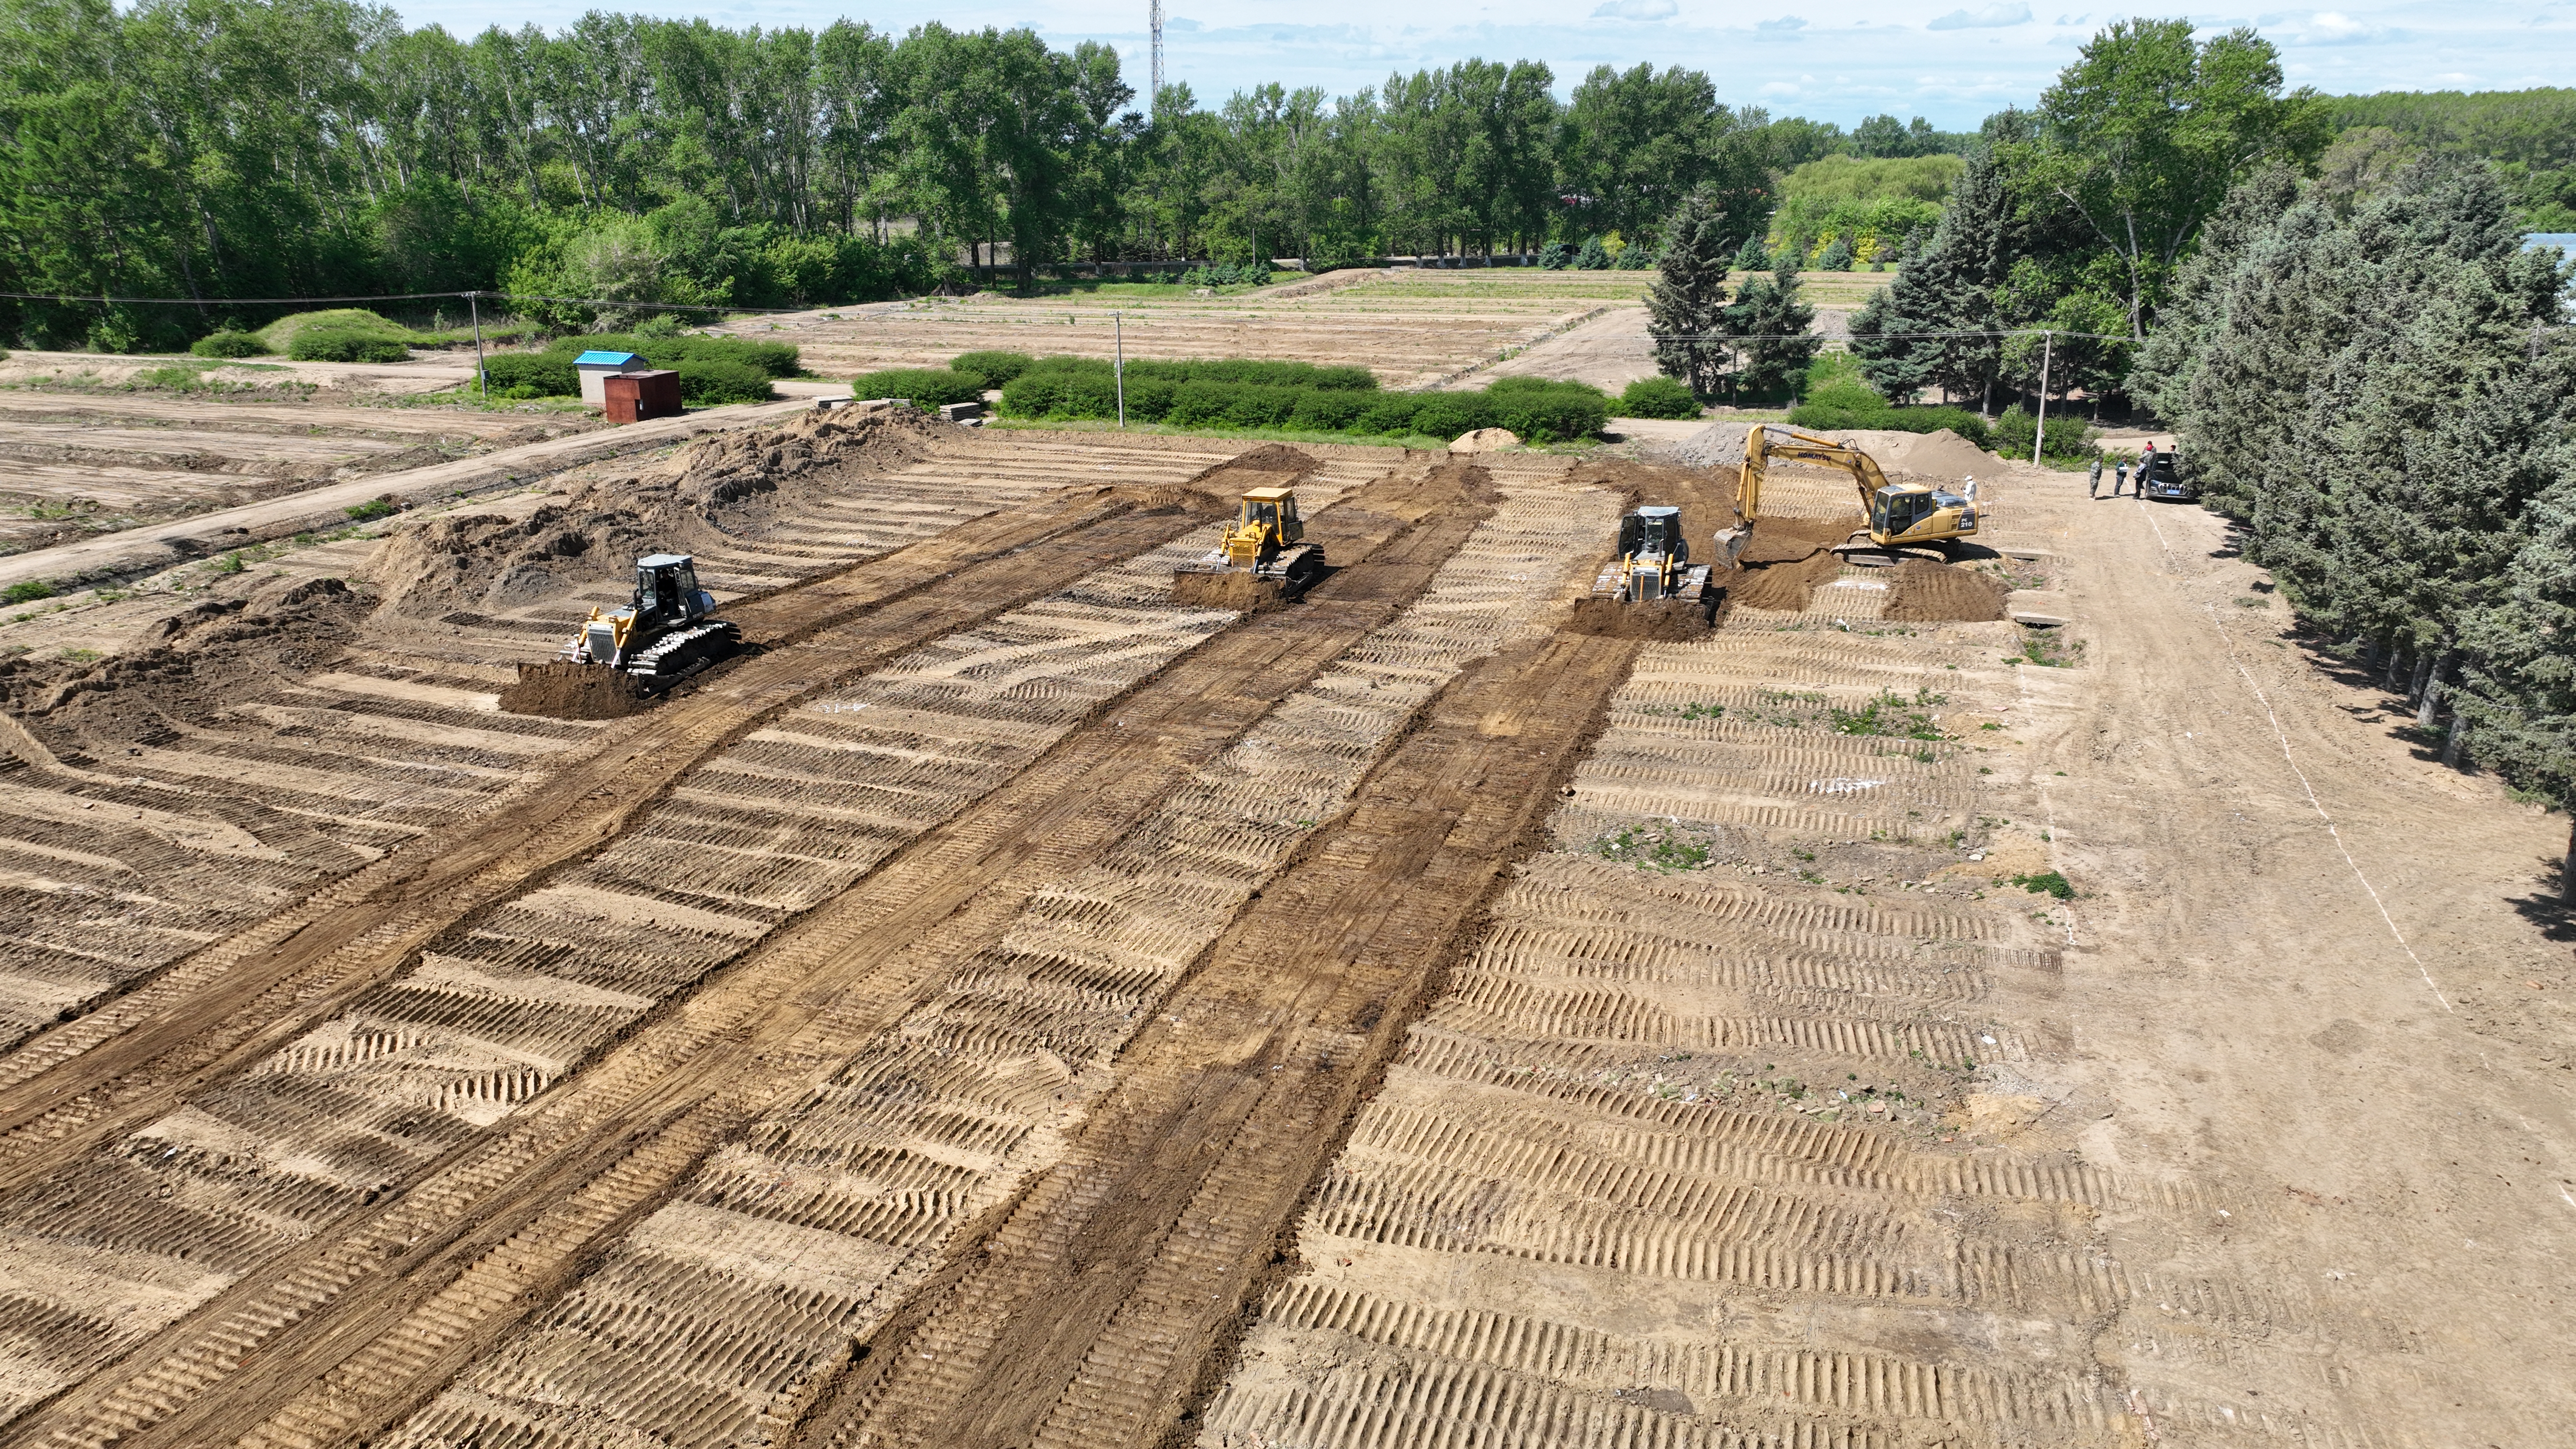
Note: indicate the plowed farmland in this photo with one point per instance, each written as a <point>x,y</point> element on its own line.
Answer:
<point>1005,1007</point>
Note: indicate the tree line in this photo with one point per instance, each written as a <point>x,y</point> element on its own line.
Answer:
<point>215,149</point>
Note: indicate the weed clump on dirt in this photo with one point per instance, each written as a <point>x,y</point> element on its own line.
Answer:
<point>1892,715</point>
<point>1667,847</point>
<point>2047,882</point>
<point>2049,648</point>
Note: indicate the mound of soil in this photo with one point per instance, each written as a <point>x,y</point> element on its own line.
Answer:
<point>1943,456</point>
<point>1920,591</point>
<point>186,669</point>
<point>1663,621</point>
<point>1242,592</point>
<point>1793,540</point>
<point>1782,586</point>
<point>562,690</point>
<point>731,486</point>
<point>1719,445</point>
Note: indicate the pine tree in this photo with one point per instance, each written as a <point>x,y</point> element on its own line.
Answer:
<point>1895,361</point>
<point>1594,257</point>
<point>2174,352</point>
<point>1686,303</point>
<point>1754,255</point>
<point>1775,323</point>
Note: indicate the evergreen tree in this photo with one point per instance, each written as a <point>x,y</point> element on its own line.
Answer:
<point>1594,257</point>
<point>1894,360</point>
<point>1778,345</point>
<point>2172,355</point>
<point>1686,303</point>
<point>1754,255</point>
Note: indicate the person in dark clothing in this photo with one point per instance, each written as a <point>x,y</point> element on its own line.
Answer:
<point>2120,478</point>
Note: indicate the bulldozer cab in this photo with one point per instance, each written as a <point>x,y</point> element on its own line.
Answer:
<point>666,588</point>
<point>1273,512</point>
<point>1653,530</point>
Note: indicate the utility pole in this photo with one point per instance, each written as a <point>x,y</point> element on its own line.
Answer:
<point>482,379</point>
<point>2039,440</point>
<point>1154,99</point>
<point>1118,326</point>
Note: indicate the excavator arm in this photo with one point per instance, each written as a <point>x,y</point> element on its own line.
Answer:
<point>1766,441</point>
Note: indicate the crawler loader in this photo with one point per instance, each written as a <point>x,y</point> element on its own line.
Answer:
<point>1262,558</point>
<point>665,635</point>
<point>1898,518</point>
<point>1654,560</point>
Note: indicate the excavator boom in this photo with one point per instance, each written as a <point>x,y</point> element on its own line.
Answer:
<point>1936,516</point>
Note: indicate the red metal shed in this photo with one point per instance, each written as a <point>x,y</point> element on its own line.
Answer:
<point>635,396</point>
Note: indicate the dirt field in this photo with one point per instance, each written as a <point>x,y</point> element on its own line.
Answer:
<point>1007,1007</point>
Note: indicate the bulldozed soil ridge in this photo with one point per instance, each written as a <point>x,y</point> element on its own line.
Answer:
<point>1920,591</point>
<point>187,668</point>
<point>711,494</point>
<point>88,1079</point>
<point>865,1171</point>
<point>1092,1308</point>
<point>1043,822</point>
<point>565,689</point>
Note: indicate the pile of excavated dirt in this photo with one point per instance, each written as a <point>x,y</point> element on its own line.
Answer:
<point>185,669</point>
<point>729,486</point>
<point>1943,456</point>
<point>1920,591</point>
<point>1242,592</point>
<point>1664,621</point>
<point>1791,540</point>
<point>1782,586</point>
<point>560,689</point>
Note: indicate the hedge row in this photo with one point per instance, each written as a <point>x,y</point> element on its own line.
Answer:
<point>319,344</point>
<point>926,387</point>
<point>1841,413</point>
<point>1000,369</point>
<point>1538,411</point>
<point>769,359</point>
<point>704,381</point>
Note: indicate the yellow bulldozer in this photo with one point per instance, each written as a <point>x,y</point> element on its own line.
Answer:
<point>1263,557</point>
<point>1898,518</point>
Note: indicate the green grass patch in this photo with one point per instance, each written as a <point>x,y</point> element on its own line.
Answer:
<point>2048,648</point>
<point>2047,883</point>
<point>369,511</point>
<point>26,591</point>
<point>1891,715</point>
<point>1664,847</point>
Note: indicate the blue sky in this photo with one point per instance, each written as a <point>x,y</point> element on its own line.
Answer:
<point>1953,61</point>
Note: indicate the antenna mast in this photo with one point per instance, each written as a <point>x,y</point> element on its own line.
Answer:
<point>1154,98</point>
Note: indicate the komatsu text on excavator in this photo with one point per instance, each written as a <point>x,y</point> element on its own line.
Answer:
<point>1897,517</point>
<point>665,635</point>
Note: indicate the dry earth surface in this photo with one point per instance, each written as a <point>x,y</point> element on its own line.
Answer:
<point>1007,1008</point>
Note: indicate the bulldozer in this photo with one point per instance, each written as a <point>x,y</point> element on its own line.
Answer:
<point>1263,557</point>
<point>1898,518</point>
<point>666,634</point>
<point>1654,560</point>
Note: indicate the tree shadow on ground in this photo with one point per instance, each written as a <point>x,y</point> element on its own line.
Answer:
<point>2545,909</point>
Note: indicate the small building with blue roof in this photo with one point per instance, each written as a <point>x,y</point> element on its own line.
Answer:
<point>597,366</point>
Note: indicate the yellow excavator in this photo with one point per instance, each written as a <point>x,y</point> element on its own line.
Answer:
<point>1266,544</point>
<point>1899,516</point>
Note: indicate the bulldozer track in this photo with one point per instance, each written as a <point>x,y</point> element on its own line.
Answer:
<point>354,1327</point>
<point>1095,1306</point>
<point>238,1001</point>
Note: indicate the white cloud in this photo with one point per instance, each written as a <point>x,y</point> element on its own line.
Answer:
<point>1638,9</point>
<point>1784,28</point>
<point>1992,15</point>
<point>2333,27</point>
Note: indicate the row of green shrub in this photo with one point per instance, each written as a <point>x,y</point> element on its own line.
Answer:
<point>2009,435</point>
<point>712,370</point>
<point>969,375</point>
<point>1537,410</point>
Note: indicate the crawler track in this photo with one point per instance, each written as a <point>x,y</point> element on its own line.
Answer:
<point>378,1306</point>
<point>113,1069</point>
<point>1091,1313</point>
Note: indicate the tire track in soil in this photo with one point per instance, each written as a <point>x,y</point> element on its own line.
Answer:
<point>1104,1306</point>
<point>350,1333</point>
<point>232,1004</point>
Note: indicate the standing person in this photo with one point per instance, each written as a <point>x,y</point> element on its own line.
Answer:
<point>2120,478</point>
<point>2094,488</point>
